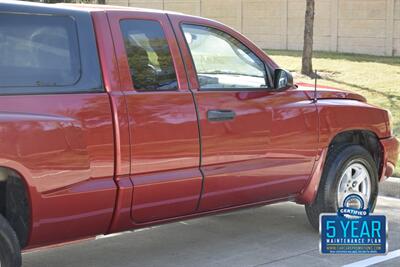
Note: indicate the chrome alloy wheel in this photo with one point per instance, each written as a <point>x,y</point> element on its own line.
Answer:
<point>355,179</point>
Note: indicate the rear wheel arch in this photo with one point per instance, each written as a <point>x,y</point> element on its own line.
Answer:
<point>15,205</point>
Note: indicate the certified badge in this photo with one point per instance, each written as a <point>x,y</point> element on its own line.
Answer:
<point>353,230</point>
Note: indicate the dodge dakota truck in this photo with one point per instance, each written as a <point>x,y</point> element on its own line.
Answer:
<point>119,118</point>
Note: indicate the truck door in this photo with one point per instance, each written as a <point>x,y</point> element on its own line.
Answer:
<point>258,144</point>
<point>164,135</point>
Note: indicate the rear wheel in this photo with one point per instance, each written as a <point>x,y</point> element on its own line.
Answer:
<point>348,168</point>
<point>10,252</point>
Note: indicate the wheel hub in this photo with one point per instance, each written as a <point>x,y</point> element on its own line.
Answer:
<point>355,179</point>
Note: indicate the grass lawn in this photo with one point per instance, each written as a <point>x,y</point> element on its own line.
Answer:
<point>376,78</point>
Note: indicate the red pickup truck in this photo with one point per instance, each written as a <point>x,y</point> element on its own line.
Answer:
<point>120,118</point>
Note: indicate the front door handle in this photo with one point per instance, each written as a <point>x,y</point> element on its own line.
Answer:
<point>220,115</point>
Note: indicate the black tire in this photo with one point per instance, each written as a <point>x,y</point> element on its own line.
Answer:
<point>10,252</point>
<point>336,163</point>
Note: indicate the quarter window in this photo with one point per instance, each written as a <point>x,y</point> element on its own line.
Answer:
<point>149,57</point>
<point>221,61</point>
<point>38,51</point>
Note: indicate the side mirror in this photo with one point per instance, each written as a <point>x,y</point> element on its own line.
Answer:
<point>283,79</point>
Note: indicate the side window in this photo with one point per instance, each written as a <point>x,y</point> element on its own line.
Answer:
<point>149,57</point>
<point>38,51</point>
<point>221,61</point>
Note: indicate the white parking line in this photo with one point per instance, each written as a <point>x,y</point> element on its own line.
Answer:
<point>123,233</point>
<point>389,198</point>
<point>375,260</point>
<point>111,235</point>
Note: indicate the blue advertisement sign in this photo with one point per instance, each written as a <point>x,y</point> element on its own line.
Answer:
<point>353,230</point>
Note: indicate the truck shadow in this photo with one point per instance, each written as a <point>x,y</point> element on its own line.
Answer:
<point>274,234</point>
<point>215,240</point>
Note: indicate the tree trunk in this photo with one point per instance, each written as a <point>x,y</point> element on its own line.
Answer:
<point>306,66</point>
<point>101,2</point>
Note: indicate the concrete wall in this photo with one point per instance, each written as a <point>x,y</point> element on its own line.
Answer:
<point>354,26</point>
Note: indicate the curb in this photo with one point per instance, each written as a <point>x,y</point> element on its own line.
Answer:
<point>390,187</point>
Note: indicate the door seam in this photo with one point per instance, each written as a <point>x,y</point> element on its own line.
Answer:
<point>197,114</point>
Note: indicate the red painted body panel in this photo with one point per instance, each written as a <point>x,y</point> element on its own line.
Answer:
<point>165,150</point>
<point>308,194</point>
<point>266,152</point>
<point>324,92</point>
<point>111,79</point>
<point>338,116</point>
<point>165,155</point>
<point>63,146</point>
<point>391,149</point>
<point>108,162</point>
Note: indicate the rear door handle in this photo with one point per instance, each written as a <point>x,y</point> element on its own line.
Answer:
<point>220,115</point>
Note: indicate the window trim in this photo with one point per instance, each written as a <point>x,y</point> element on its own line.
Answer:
<point>177,89</point>
<point>256,89</point>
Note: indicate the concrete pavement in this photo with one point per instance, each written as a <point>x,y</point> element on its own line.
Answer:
<point>390,188</point>
<point>275,235</point>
